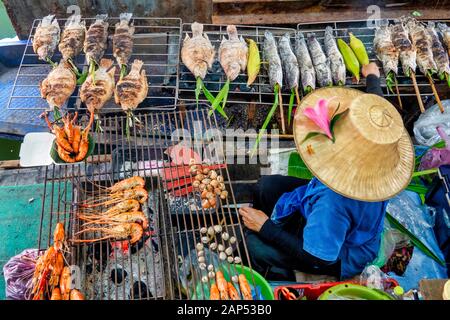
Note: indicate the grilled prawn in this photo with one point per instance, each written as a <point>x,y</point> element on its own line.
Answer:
<point>96,40</point>
<point>132,231</point>
<point>233,54</point>
<point>58,86</point>
<point>132,89</point>
<point>320,62</point>
<point>123,39</point>
<point>46,37</point>
<point>307,73</point>
<point>337,66</point>
<point>98,87</point>
<point>72,38</point>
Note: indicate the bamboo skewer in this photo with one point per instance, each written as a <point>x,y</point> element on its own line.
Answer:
<point>436,95</point>
<point>297,96</point>
<point>398,93</point>
<point>416,89</point>
<point>280,100</point>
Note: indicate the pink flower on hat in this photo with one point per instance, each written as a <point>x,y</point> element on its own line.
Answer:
<point>320,116</point>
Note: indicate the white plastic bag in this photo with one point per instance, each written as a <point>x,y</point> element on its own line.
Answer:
<point>425,127</point>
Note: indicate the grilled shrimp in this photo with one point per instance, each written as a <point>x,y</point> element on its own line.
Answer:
<point>197,52</point>
<point>132,216</point>
<point>222,286</point>
<point>46,37</point>
<point>132,231</point>
<point>307,73</point>
<point>123,39</point>
<point>138,193</point>
<point>289,62</point>
<point>233,54</point>
<point>320,62</point>
<point>273,59</point>
<point>96,40</point>
<point>385,49</point>
<point>128,183</point>
<point>72,38</point>
<point>98,88</point>
<point>133,88</point>
<point>337,66</point>
<point>232,292</point>
<point>246,291</point>
<point>214,292</point>
<point>58,86</point>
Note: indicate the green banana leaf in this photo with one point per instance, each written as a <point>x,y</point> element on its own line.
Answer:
<point>416,241</point>
<point>297,168</point>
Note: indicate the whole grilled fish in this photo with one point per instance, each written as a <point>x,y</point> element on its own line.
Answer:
<point>197,52</point>
<point>123,39</point>
<point>307,73</point>
<point>289,61</point>
<point>320,62</point>
<point>422,41</point>
<point>337,66</point>
<point>445,30</point>
<point>407,52</point>
<point>59,85</point>
<point>94,94</point>
<point>72,38</point>
<point>233,54</point>
<point>440,55</point>
<point>96,40</point>
<point>385,49</point>
<point>275,70</point>
<point>132,89</point>
<point>46,37</point>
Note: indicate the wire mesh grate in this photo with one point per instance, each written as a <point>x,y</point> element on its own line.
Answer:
<point>156,43</point>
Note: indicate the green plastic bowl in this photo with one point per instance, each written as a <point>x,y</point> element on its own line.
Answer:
<point>354,291</point>
<point>58,160</point>
<point>264,286</point>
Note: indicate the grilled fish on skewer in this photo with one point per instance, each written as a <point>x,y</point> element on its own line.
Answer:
<point>123,39</point>
<point>72,38</point>
<point>307,73</point>
<point>233,54</point>
<point>197,53</point>
<point>95,95</point>
<point>273,60</point>
<point>385,49</point>
<point>445,30</point>
<point>440,56</point>
<point>289,62</point>
<point>407,52</point>
<point>422,41</point>
<point>337,66</point>
<point>96,39</point>
<point>320,62</point>
<point>58,86</point>
<point>46,37</point>
<point>132,89</point>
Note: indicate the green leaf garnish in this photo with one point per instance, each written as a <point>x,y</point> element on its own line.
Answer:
<point>291,105</point>
<point>313,134</point>
<point>223,93</point>
<point>198,89</point>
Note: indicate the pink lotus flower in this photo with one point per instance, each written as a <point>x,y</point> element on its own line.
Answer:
<point>320,115</point>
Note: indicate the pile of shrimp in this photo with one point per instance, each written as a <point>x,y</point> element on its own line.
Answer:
<point>121,216</point>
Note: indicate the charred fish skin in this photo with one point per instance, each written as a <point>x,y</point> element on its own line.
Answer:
<point>58,86</point>
<point>94,94</point>
<point>289,61</point>
<point>123,39</point>
<point>197,52</point>
<point>96,40</point>
<point>385,49</point>
<point>72,38</point>
<point>132,89</point>
<point>440,55</point>
<point>275,70</point>
<point>407,53</point>
<point>422,42</point>
<point>307,73</point>
<point>320,61</point>
<point>233,54</point>
<point>337,66</point>
<point>46,37</point>
<point>445,31</point>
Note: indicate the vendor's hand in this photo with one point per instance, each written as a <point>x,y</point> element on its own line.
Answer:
<point>370,68</point>
<point>253,219</point>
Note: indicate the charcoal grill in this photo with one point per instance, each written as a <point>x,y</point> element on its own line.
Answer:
<point>152,268</point>
<point>156,42</point>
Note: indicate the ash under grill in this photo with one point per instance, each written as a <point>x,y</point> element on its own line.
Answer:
<point>156,42</point>
<point>366,35</point>
<point>164,263</point>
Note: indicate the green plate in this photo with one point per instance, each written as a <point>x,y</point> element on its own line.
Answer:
<point>354,291</point>
<point>58,160</point>
<point>202,290</point>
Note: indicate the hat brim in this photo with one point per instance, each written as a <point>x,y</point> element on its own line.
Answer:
<point>374,178</point>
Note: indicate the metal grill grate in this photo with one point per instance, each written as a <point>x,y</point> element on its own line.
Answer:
<point>366,34</point>
<point>161,265</point>
<point>156,42</point>
<point>260,92</point>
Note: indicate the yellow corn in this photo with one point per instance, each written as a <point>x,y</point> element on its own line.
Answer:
<point>350,60</point>
<point>253,61</point>
<point>359,49</point>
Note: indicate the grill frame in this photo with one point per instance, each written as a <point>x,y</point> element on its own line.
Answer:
<point>167,102</point>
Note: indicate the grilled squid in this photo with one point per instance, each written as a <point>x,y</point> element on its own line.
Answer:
<point>46,37</point>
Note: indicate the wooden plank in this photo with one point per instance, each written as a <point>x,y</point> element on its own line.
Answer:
<point>12,164</point>
<point>323,16</point>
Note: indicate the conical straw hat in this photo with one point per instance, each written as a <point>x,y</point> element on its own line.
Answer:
<point>372,158</point>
